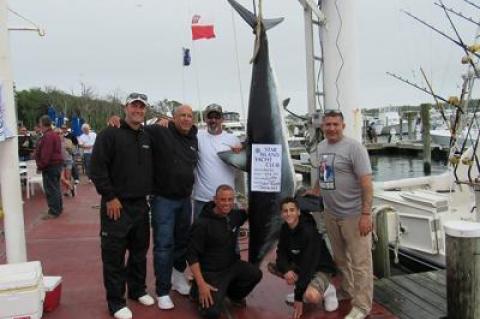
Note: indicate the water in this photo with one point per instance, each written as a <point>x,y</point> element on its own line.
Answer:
<point>392,167</point>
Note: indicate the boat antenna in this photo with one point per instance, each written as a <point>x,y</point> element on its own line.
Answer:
<point>255,7</point>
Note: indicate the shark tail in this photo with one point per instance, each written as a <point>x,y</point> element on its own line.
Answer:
<point>250,17</point>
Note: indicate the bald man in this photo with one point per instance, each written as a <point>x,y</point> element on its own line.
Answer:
<point>174,159</point>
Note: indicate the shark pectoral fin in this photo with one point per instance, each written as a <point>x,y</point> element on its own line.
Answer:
<point>270,23</point>
<point>237,160</point>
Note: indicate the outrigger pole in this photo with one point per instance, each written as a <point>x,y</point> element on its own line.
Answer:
<point>11,196</point>
<point>443,34</point>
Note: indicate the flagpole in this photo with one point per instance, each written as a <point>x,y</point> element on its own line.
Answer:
<point>196,76</point>
<point>9,167</point>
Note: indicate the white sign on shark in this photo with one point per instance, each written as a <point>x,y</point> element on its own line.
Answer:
<point>266,168</point>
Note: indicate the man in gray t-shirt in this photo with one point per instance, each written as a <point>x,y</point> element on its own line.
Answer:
<point>345,183</point>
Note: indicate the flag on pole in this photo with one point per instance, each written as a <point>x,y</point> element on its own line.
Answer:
<point>201,30</point>
<point>187,59</point>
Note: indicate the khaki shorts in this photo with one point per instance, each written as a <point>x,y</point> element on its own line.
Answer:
<point>320,282</point>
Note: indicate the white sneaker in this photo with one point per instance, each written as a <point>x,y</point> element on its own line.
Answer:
<point>290,298</point>
<point>123,313</point>
<point>165,303</point>
<point>330,301</point>
<point>146,300</point>
<point>180,282</point>
<point>356,313</point>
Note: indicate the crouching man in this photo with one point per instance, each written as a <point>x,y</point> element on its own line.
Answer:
<point>216,266</point>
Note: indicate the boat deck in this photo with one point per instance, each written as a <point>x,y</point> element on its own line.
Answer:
<point>69,247</point>
<point>420,295</point>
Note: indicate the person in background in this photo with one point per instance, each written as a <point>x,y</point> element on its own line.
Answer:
<point>86,142</point>
<point>25,144</point>
<point>69,135</point>
<point>48,156</point>
<point>347,196</point>
<point>216,266</point>
<point>65,177</point>
<point>121,170</point>
<point>303,259</point>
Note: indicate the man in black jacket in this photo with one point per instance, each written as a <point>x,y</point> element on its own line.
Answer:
<point>174,150</point>
<point>303,259</point>
<point>215,264</point>
<point>121,169</point>
<point>175,158</point>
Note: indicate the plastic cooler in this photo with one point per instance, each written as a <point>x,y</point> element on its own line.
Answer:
<point>53,289</point>
<point>21,291</point>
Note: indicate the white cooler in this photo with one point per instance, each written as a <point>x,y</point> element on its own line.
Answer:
<point>21,291</point>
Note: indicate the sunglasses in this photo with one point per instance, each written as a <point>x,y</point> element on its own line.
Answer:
<point>333,113</point>
<point>214,115</point>
<point>138,96</point>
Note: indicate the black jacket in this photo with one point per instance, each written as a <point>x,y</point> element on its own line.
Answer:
<point>175,157</point>
<point>121,164</point>
<point>303,250</point>
<point>213,239</point>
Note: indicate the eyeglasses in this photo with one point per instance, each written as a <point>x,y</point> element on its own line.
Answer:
<point>214,115</point>
<point>333,113</point>
<point>138,96</point>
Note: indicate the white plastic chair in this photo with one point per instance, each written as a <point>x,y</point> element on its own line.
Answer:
<point>33,177</point>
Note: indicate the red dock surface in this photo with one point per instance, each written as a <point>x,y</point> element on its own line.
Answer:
<point>70,247</point>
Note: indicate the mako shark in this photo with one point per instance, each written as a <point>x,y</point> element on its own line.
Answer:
<point>265,126</point>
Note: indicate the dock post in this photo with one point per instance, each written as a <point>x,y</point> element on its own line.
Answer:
<point>410,117</point>
<point>401,127</point>
<point>381,253</point>
<point>427,150</point>
<point>463,269</point>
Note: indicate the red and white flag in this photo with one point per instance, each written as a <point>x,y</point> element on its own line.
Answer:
<point>201,30</point>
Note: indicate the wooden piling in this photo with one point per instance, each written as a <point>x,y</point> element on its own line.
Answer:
<point>410,117</point>
<point>381,253</point>
<point>401,127</point>
<point>427,150</point>
<point>463,269</point>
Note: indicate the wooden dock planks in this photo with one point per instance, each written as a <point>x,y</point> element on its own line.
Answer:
<point>421,295</point>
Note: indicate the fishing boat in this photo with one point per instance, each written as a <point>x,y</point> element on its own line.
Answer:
<point>418,208</point>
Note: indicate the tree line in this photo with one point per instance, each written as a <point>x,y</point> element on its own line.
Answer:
<point>33,103</point>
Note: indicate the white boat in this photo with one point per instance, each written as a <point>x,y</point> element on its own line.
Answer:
<point>442,137</point>
<point>421,206</point>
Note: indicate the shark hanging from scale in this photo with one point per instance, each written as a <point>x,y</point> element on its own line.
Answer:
<point>265,125</point>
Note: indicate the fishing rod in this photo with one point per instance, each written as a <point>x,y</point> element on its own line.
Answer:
<point>471,3</point>
<point>460,39</point>
<point>442,33</point>
<point>439,107</point>
<point>457,13</point>
<point>419,88</point>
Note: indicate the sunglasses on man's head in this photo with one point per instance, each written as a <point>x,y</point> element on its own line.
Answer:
<point>331,113</point>
<point>214,115</point>
<point>138,96</point>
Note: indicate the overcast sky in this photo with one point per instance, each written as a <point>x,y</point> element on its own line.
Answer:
<point>119,46</point>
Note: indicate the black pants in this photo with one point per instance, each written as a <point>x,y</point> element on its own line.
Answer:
<point>131,232</point>
<point>235,283</point>
<point>51,185</point>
